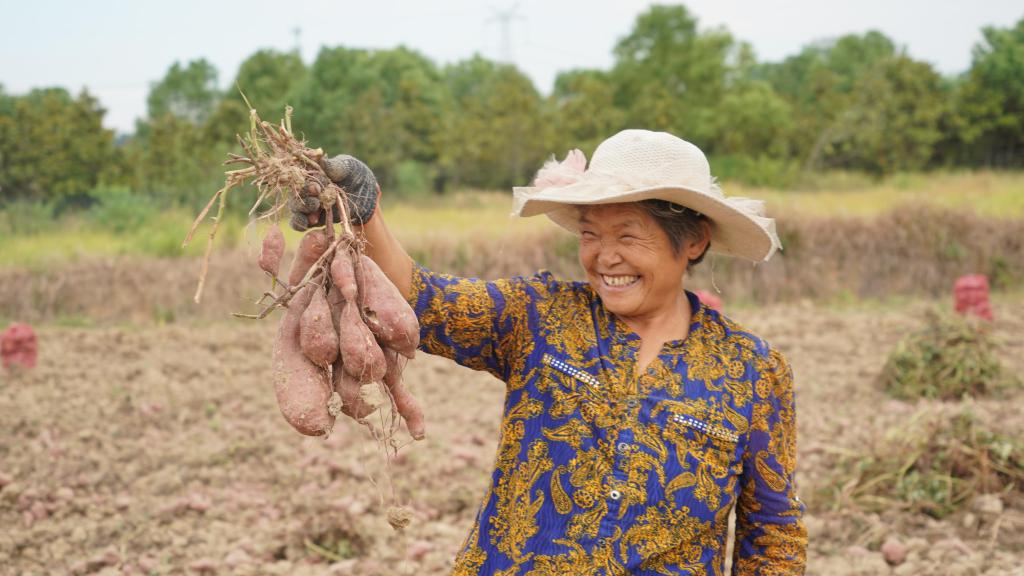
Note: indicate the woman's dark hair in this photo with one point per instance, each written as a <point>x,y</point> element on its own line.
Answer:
<point>679,223</point>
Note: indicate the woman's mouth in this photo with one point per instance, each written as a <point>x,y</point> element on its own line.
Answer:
<point>619,281</point>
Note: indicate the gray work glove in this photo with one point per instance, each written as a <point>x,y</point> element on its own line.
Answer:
<point>352,176</point>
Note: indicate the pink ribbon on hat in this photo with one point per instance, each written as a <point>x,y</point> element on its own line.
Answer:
<point>555,174</point>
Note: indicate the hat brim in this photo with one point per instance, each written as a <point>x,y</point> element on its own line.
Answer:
<point>733,232</point>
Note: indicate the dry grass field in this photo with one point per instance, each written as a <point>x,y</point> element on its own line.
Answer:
<point>466,217</point>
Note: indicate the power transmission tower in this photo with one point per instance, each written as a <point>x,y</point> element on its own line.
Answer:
<point>504,18</point>
<point>297,35</point>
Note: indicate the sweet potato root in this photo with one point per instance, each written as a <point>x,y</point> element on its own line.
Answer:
<point>360,353</point>
<point>302,388</point>
<point>406,404</point>
<point>325,296</point>
<point>317,335</point>
<point>311,247</point>
<point>343,275</point>
<point>271,251</point>
<point>348,387</point>
<point>335,302</point>
<point>387,313</point>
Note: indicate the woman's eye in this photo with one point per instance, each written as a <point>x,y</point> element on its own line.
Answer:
<point>587,234</point>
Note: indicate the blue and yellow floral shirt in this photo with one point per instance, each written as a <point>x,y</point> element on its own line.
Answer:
<point>603,471</point>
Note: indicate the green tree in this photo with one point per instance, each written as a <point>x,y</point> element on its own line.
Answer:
<point>835,64</point>
<point>383,106</point>
<point>670,76</point>
<point>583,104</point>
<point>174,161</point>
<point>7,142</point>
<point>6,103</point>
<point>989,115</point>
<point>186,92</point>
<point>852,55</point>
<point>53,147</point>
<point>496,132</point>
<point>176,158</point>
<point>753,121</point>
<point>893,122</point>
<point>819,82</point>
<point>267,78</point>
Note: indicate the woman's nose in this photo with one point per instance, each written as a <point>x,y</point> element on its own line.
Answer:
<point>608,256</point>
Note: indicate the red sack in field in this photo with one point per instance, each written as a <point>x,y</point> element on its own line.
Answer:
<point>710,300</point>
<point>970,295</point>
<point>18,346</point>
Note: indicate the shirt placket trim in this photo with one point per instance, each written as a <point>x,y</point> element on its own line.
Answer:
<point>624,444</point>
<point>714,430</point>
<point>572,371</point>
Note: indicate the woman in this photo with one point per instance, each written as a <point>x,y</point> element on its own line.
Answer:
<point>635,417</point>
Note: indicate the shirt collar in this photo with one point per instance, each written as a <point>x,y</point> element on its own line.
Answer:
<point>620,332</point>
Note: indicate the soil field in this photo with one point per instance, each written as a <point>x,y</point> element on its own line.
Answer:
<point>160,450</point>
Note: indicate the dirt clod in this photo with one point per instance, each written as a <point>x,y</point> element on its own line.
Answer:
<point>399,517</point>
<point>894,551</point>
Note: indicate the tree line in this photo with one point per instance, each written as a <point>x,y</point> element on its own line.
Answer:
<point>857,102</point>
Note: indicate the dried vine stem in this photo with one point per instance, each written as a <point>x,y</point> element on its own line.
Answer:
<point>318,267</point>
<point>278,165</point>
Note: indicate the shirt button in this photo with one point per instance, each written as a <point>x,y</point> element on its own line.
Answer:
<point>615,494</point>
<point>632,403</point>
<point>623,447</point>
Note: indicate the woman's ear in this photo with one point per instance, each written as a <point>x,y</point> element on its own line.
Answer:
<point>699,245</point>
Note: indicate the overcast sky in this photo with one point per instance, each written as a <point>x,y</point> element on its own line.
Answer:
<point>117,48</point>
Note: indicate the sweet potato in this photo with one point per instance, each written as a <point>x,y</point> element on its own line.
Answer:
<point>343,275</point>
<point>311,247</point>
<point>301,387</point>
<point>348,387</point>
<point>334,302</point>
<point>387,313</point>
<point>272,250</point>
<point>317,335</point>
<point>405,403</point>
<point>360,353</point>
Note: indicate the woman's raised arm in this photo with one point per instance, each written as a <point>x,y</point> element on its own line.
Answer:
<point>387,251</point>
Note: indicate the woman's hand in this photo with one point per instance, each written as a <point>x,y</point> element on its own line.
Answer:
<point>359,183</point>
<point>363,211</point>
<point>352,175</point>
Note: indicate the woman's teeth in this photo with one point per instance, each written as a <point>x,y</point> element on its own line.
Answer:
<point>619,280</point>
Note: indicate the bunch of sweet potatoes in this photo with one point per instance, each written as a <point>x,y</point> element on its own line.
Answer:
<point>345,327</point>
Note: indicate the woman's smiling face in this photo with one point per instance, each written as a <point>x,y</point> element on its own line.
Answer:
<point>629,260</point>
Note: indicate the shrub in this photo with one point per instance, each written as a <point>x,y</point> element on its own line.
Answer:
<point>757,170</point>
<point>26,218</point>
<point>933,464</point>
<point>949,358</point>
<point>120,210</point>
<point>412,180</point>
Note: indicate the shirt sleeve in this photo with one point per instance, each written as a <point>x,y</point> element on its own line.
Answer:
<point>770,533</point>
<point>479,324</point>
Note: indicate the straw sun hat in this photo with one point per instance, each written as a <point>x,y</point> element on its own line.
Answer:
<point>638,165</point>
